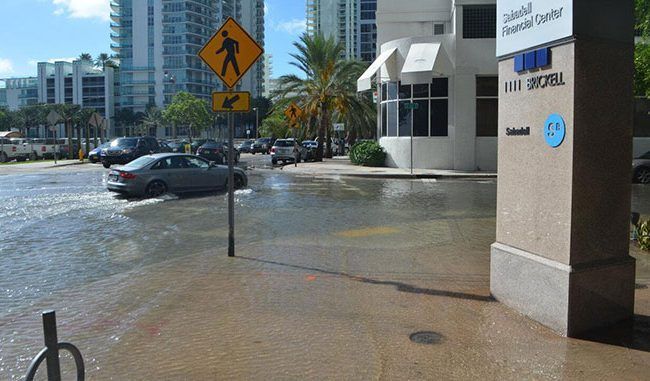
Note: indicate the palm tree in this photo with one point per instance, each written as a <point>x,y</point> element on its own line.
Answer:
<point>153,117</point>
<point>85,57</point>
<point>103,60</point>
<point>329,87</point>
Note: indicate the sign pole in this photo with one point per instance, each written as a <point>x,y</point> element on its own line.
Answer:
<point>56,148</point>
<point>231,184</point>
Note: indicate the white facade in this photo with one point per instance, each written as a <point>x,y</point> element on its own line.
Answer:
<point>78,83</point>
<point>18,92</point>
<point>424,49</point>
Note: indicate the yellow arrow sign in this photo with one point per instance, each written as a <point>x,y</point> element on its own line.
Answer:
<point>231,52</point>
<point>231,101</point>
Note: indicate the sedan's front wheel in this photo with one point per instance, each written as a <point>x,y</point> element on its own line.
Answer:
<point>156,189</point>
<point>642,175</point>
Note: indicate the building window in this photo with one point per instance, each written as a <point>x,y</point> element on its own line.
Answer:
<point>487,106</point>
<point>430,116</point>
<point>438,29</point>
<point>479,21</point>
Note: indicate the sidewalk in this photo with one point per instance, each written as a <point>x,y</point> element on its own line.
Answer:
<point>341,166</point>
<point>35,165</point>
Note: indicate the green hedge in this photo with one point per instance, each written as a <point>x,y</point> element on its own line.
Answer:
<point>368,153</point>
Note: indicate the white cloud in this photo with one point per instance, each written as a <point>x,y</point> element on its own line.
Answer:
<point>6,67</point>
<point>34,62</point>
<point>83,9</point>
<point>294,26</point>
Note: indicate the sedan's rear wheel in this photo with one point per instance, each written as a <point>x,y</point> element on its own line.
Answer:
<point>239,182</point>
<point>642,175</point>
<point>156,189</point>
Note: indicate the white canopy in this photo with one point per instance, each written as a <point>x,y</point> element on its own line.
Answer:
<point>365,81</point>
<point>423,61</point>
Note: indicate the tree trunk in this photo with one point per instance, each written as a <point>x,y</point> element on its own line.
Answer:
<point>174,130</point>
<point>322,128</point>
<point>328,142</point>
<point>190,133</point>
<point>87,133</point>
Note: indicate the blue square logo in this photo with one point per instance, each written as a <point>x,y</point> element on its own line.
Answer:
<point>542,56</point>
<point>519,63</point>
<point>529,60</point>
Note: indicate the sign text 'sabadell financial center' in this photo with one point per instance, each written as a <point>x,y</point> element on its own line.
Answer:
<point>525,24</point>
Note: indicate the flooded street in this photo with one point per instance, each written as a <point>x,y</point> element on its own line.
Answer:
<point>332,275</point>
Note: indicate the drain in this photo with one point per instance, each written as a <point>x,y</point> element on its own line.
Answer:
<point>426,337</point>
<point>640,286</point>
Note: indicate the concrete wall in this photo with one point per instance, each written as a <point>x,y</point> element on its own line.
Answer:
<point>486,153</point>
<point>434,152</point>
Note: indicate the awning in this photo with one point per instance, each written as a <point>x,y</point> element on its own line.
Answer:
<point>365,81</point>
<point>423,62</point>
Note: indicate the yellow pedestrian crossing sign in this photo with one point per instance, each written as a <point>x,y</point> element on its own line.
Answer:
<point>293,113</point>
<point>231,52</point>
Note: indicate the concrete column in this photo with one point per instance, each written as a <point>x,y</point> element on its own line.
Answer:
<point>464,131</point>
<point>563,212</point>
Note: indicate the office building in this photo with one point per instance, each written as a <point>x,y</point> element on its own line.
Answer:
<point>18,92</point>
<point>350,22</point>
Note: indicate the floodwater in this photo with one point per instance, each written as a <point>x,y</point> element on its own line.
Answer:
<point>332,275</point>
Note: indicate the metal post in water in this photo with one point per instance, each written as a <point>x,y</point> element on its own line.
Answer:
<point>52,345</point>
<point>231,184</point>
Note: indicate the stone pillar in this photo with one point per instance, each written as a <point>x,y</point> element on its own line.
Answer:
<point>565,148</point>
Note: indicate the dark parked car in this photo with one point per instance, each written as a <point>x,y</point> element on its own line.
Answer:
<point>94,155</point>
<point>216,151</point>
<point>155,175</point>
<point>641,169</point>
<point>246,146</point>
<point>164,147</point>
<point>124,150</point>
<point>263,146</point>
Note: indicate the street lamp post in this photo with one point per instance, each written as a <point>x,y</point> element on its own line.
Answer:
<point>257,122</point>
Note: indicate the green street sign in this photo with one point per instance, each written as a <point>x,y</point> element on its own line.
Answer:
<point>412,106</point>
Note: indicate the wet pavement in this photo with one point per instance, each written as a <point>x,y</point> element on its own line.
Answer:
<point>333,278</point>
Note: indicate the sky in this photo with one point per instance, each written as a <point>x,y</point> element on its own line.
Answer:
<point>51,30</point>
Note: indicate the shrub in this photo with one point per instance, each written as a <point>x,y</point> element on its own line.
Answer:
<point>643,234</point>
<point>368,153</point>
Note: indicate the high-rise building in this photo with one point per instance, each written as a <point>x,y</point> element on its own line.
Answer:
<point>157,42</point>
<point>252,19</point>
<point>350,22</point>
<point>18,92</point>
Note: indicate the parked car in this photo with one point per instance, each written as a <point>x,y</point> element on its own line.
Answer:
<point>94,155</point>
<point>164,147</point>
<point>282,150</point>
<point>641,169</point>
<point>12,149</point>
<point>42,148</point>
<point>176,146</point>
<point>246,146</point>
<point>262,145</point>
<point>310,147</point>
<point>216,151</point>
<point>124,150</point>
<point>155,175</point>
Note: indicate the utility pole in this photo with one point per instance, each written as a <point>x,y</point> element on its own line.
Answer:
<point>257,122</point>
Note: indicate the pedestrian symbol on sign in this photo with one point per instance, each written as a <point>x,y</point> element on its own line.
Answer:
<point>232,49</point>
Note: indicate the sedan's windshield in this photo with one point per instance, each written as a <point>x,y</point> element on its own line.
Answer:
<point>284,143</point>
<point>645,155</point>
<point>123,143</point>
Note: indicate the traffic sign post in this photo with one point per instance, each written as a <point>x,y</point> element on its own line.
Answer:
<point>230,53</point>
<point>231,101</point>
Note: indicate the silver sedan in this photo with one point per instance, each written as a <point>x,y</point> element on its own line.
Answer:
<point>157,174</point>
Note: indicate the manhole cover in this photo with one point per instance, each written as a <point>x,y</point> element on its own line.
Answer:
<point>426,337</point>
